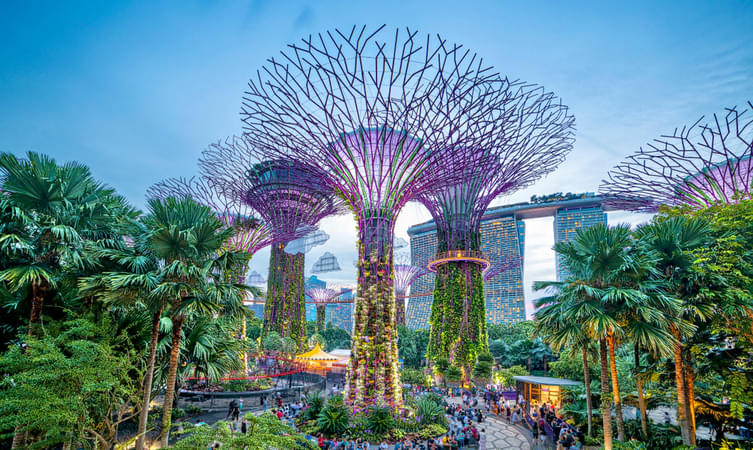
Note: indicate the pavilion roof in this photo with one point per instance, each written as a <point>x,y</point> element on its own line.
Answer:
<point>317,354</point>
<point>547,381</point>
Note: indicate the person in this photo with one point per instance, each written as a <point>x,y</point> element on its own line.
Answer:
<point>321,442</point>
<point>231,408</point>
<point>461,438</point>
<point>244,427</point>
<point>262,402</point>
<point>383,446</point>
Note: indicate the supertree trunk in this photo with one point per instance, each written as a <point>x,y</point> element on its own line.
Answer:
<point>321,314</point>
<point>373,376</point>
<point>458,317</point>
<point>285,308</point>
<point>400,308</point>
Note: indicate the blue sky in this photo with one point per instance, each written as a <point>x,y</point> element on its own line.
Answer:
<point>137,89</point>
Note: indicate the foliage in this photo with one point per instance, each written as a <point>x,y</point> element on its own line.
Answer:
<point>483,368</point>
<point>453,374</point>
<point>413,377</point>
<point>247,386</point>
<point>334,418</point>
<point>432,431</point>
<point>457,333</point>
<point>511,332</point>
<point>430,412</point>
<point>412,346</point>
<point>504,377</point>
<point>75,385</point>
<point>379,420</point>
<point>288,345</point>
<point>272,342</point>
<point>335,338</point>
<point>317,338</point>
<point>265,432</point>
<point>315,402</point>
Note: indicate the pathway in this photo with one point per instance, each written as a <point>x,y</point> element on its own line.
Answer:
<point>499,434</point>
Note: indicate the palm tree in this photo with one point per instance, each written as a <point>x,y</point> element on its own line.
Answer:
<point>563,335</point>
<point>187,237</point>
<point>674,239</point>
<point>609,273</point>
<point>58,214</point>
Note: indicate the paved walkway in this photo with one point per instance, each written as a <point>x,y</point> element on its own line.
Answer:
<point>499,434</point>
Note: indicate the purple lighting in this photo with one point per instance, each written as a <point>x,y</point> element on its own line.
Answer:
<point>696,166</point>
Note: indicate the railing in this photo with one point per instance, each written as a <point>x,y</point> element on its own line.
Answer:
<point>473,256</point>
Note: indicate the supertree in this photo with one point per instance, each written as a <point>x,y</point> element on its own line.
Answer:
<point>405,275</point>
<point>372,109</point>
<point>321,297</point>
<point>250,235</point>
<point>696,166</point>
<point>292,198</point>
<point>529,133</point>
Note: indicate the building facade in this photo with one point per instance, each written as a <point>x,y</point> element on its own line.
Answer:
<point>568,221</point>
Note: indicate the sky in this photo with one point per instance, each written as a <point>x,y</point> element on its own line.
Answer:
<point>136,90</point>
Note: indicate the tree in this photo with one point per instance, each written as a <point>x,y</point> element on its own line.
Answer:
<point>187,237</point>
<point>72,387</point>
<point>264,432</point>
<point>674,240</point>
<point>608,271</point>
<point>272,342</point>
<point>57,215</point>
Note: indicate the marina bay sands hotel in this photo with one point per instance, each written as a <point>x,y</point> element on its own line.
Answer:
<point>503,236</point>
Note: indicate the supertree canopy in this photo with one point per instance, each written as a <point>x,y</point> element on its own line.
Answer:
<point>528,133</point>
<point>292,198</point>
<point>373,110</point>
<point>700,165</point>
<point>405,275</point>
<point>321,297</point>
<point>501,266</point>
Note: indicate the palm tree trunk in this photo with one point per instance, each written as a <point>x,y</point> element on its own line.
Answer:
<point>616,390</point>
<point>690,397</point>
<point>18,438</point>
<point>682,416</point>
<point>587,382</point>
<point>606,403</point>
<point>172,374</point>
<point>639,387</point>
<point>37,302</point>
<point>148,377</point>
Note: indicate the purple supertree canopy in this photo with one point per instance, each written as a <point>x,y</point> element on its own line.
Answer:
<point>526,135</point>
<point>251,234</point>
<point>377,112</point>
<point>405,275</point>
<point>697,166</point>
<point>290,196</point>
<point>322,296</point>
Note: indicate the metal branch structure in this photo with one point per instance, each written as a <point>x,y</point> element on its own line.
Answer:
<point>405,275</point>
<point>505,264</point>
<point>326,263</point>
<point>697,166</point>
<point>292,198</point>
<point>526,135</point>
<point>321,297</point>
<point>374,109</point>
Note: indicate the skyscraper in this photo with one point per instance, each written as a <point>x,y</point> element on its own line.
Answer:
<point>341,314</point>
<point>568,221</point>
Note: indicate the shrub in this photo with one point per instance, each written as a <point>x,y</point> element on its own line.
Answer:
<point>483,369</point>
<point>379,420</point>
<point>317,338</point>
<point>413,376</point>
<point>193,409</point>
<point>315,403</point>
<point>485,357</point>
<point>434,397</point>
<point>179,412</point>
<point>429,412</point>
<point>431,431</point>
<point>334,418</point>
<point>442,365</point>
<point>453,374</point>
<point>272,342</point>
